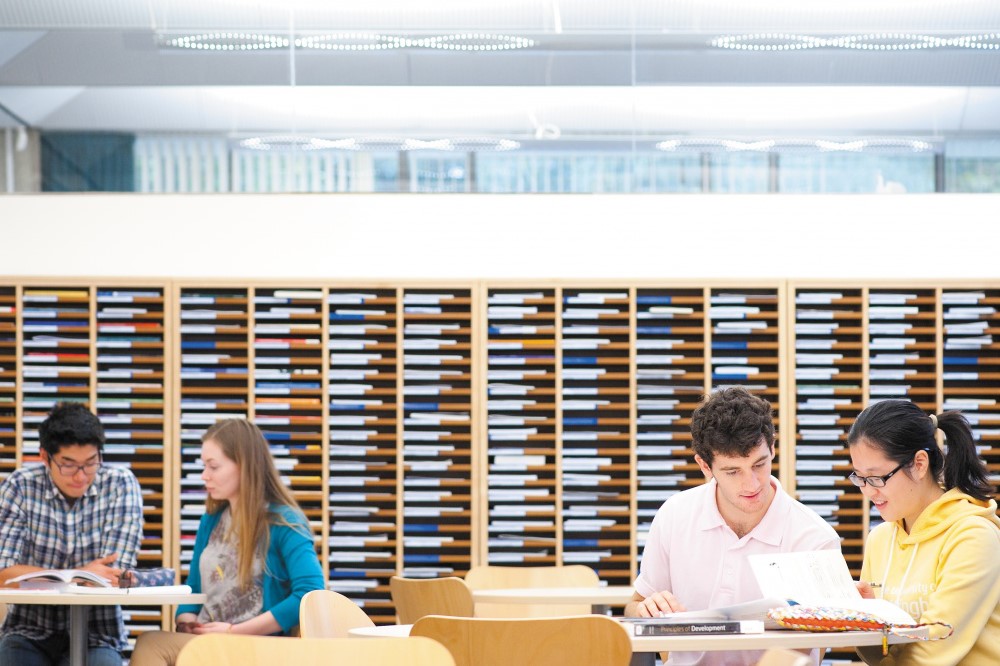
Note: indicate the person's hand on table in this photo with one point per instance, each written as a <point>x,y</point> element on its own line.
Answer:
<point>102,567</point>
<point>658,604</point>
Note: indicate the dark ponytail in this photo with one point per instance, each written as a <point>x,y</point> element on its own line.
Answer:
<point>899,429</point>
<point>963,468</point>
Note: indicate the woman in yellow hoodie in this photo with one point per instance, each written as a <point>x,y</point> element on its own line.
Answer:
<point>937,555</point>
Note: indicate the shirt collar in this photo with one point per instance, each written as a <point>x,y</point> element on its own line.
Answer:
<point>711,518</point>
<point>772,526</point>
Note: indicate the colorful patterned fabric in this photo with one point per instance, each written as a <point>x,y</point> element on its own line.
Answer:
<point>824,618</point>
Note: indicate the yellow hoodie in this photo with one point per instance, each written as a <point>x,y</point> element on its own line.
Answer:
<point>946,569</point>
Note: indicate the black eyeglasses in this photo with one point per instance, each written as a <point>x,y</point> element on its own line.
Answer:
<point>874,481</point>
<point>70,468</point>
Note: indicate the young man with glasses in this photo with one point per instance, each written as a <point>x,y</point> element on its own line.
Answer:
<point>70,512</point>
<point>696,555</point>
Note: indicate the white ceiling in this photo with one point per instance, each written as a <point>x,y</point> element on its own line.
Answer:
<point>599,69</point>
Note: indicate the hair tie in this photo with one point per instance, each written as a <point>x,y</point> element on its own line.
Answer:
<point>934,420</point>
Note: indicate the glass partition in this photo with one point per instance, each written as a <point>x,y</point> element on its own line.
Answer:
<point>574,96</point>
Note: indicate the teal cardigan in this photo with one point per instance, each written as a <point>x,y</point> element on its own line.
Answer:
<point>291,568</point>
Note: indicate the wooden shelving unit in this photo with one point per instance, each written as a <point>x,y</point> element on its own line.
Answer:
<point>830,382</point>
<point>522,485</point>
<point>363,357</point>
<point>902,349</point>
<point>212,382</point>
<point>746,349</point>
<point>969,370</point>
<point>9,309</point>
<point>130,396</point>
<point>671,359</point>
<point>595,457</point>
<point>426,427</point>
<point>287,388</point>
<point>436,435</point>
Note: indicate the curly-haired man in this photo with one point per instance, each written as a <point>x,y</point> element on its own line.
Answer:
<point>696,554</point>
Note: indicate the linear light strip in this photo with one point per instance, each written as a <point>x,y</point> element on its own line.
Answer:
<point>290,142</point>
<point>347,41</point>
<point>884,41</point>
<point>767,145</point>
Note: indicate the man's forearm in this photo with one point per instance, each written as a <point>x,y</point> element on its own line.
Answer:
<point>17,570</point>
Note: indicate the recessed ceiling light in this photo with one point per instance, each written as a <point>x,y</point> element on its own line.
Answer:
<point>476,41</point>
<point>279,143</point>
<point>226,41</point>
<point>881,41</point>
<point>708,144</point>
<point>376,143</point>
<point>352,41</point>
<point>344,41</point>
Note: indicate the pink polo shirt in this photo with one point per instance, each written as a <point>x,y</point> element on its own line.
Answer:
<point>692,553</point>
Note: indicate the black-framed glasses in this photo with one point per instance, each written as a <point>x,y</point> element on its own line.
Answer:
<point>71,468</point>
<point>874,481</point>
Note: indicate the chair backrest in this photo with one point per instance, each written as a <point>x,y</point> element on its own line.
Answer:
<point>584,640</point>
<point>229,650</point>
<point>417,597</point>
<point>329,614</point>
<point>494,577</point>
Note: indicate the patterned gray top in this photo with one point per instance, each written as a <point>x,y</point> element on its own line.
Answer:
<point>227,602</point>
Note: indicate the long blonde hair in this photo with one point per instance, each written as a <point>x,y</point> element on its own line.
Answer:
<point>260,486</point>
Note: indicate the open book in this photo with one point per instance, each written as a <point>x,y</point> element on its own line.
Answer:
<point>815,578</point>
<point>819,578</point>
<point>55,579</point>
<point>752,611</point>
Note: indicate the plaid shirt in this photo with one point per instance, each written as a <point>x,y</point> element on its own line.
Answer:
<point>38,527</point>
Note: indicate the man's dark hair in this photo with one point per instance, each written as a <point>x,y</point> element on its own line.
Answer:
<point>70,423</point>
<point>731,422</point>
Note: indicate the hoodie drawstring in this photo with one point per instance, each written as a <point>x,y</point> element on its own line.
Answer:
<point>885,574</point>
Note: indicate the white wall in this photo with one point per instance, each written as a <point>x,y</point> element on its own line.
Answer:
<point>498,236</point>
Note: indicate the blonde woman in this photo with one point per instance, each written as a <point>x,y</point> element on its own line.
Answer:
<point>253,554</point>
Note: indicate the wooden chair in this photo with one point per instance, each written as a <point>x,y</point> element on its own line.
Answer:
<point>417,597</point>
<point>586,640</point>
<point>329,614</point>
<point>229,650</point>
<point>495,577</point>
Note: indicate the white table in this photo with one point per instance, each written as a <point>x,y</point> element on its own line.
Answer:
<point>645,647</point>
<point>600,598</point>
<point>79,608</point>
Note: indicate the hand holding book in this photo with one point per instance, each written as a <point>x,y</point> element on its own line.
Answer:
<point>77,580</point>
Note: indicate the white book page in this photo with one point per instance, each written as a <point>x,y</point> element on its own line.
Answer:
<point>748,610</point>
<point>818,578</point>
<point>803,577</point>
